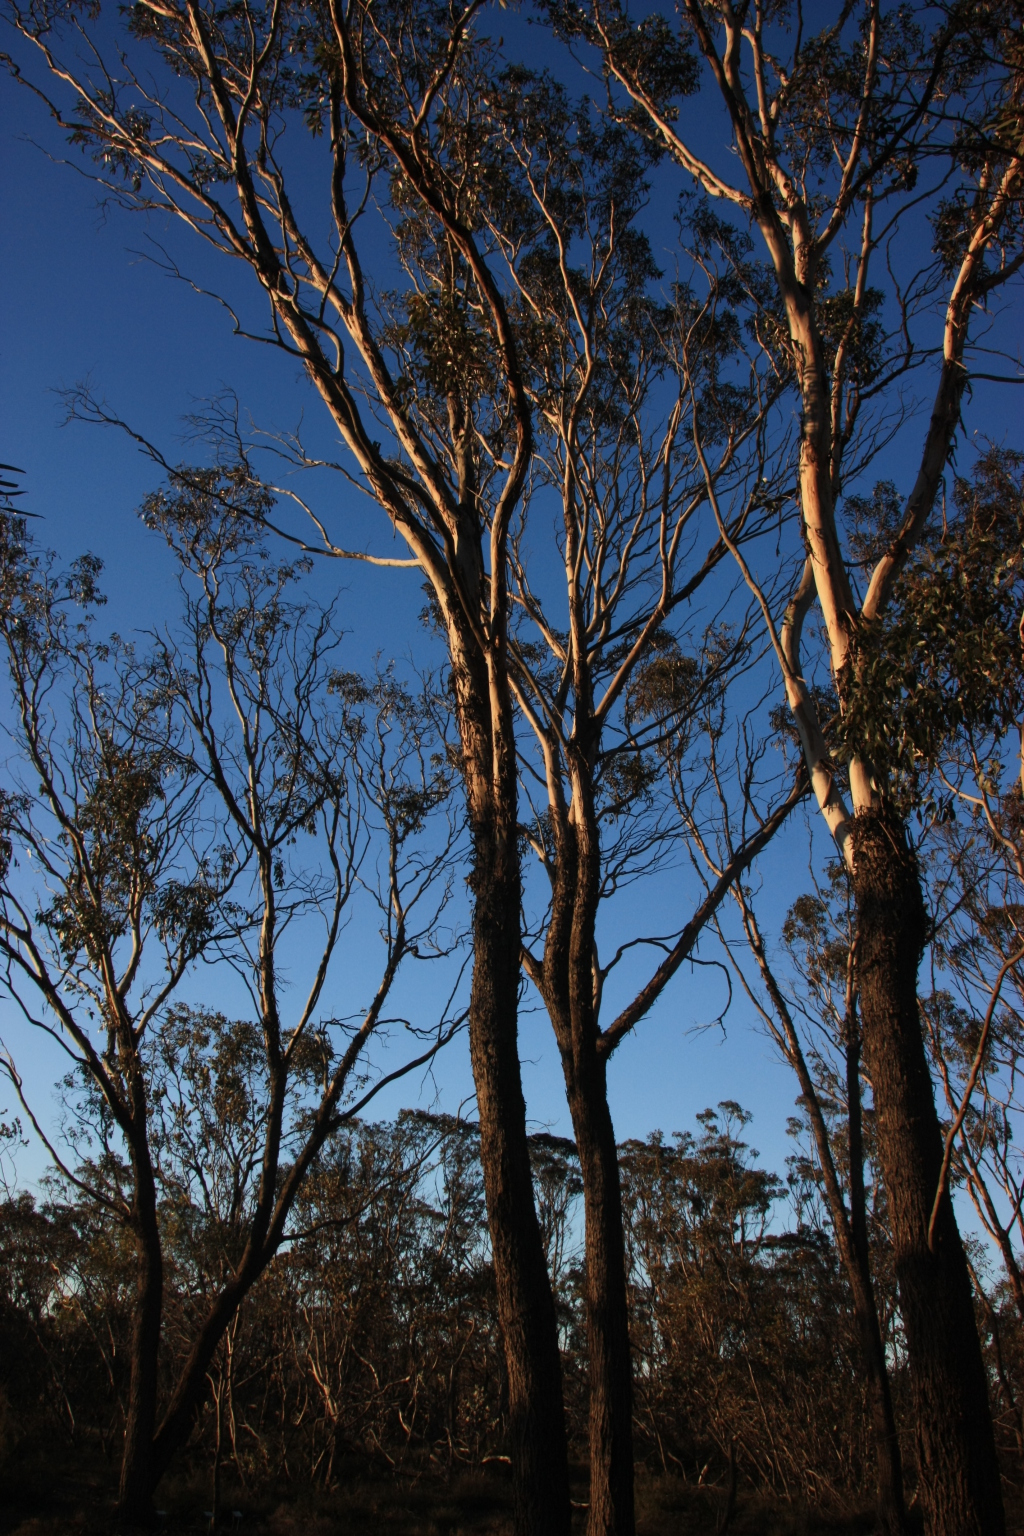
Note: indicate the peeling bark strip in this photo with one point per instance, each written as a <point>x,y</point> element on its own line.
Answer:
<point>959,1474</point>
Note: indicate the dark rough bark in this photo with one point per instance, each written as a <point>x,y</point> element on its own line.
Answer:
<point>610,1365</point>
<point>958,1472</point>
<point>566,982</point>
<point>135,1497</point>
<point>526,1307</point>
<point>525,1303</point>
<point>611,1374</point>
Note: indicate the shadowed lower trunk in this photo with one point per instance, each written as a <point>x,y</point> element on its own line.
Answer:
<point>526,1307</point>
<point>611,1373</point>
<point>959,1483</point>
<point>567,984</point>
<point>135,1494</point>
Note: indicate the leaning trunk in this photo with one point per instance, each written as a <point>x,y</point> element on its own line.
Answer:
<point>958,1473</point>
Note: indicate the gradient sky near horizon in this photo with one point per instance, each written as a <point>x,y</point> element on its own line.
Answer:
<point>86,298</point>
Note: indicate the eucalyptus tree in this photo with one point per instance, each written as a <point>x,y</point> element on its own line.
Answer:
<point>216,117</point>
<point>940,705</point>
<point>840,136</point>
<point>200,804</point>
<point>484,335</point>
<point>946,711</point>
<point>611,666</point>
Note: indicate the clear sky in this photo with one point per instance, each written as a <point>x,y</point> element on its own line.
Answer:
<point>81,302</point>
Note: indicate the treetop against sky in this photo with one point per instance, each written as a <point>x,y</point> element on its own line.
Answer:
<point>103,296</point>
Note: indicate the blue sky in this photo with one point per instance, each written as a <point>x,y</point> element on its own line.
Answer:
<point>82,303</point>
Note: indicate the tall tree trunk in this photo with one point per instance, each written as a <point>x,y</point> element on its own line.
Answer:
<point>567,984</point>
<point>526,1308</point>
<point>961,1490</point>
<point>135,1496</point>
<point>960,1487</point>
<point>959,1482</point>
<point>610,1364</point>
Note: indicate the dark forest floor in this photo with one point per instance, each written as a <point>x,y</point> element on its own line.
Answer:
<point>75,1496</point>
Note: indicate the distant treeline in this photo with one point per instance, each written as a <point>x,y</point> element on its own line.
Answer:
<point>373,1338</point>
